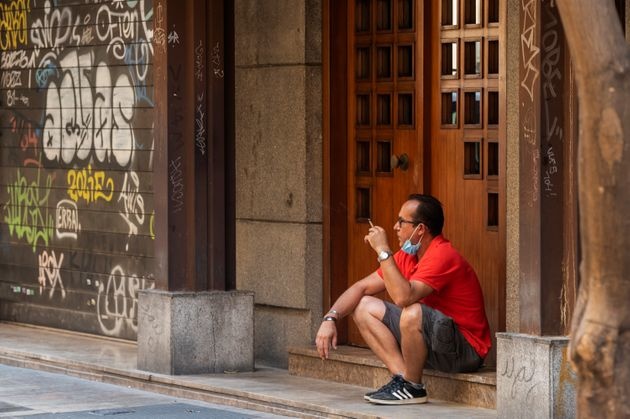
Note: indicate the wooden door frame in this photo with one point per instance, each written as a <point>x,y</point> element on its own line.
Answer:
<point>335,214</point>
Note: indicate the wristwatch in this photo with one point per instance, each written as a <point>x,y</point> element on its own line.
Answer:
<point>383,255</point>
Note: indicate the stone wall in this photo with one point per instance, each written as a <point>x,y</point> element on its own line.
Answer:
<point>279,169</point>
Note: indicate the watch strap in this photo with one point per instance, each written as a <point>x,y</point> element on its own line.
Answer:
<point>384,255</point>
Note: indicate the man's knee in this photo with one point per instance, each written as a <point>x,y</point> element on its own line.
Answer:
<point>368,306</point>
<point>411,318</point>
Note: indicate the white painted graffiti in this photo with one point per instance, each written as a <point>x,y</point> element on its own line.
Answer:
<point>117,302</point>
<point>216,61</point>
<point>159,33</point>
<point>120,28</point>
<point>52,32</point>
<point>49,276</point>
<point>85,116</point>
<point>133,203</point>
<point>87,36</point>
<point>176,176</point>
<point>11,79</point>
<point>199,57</point>
<point>14,99</point>
<point>200,125</point>
<point>12,60</point>
<point>173,38</point>
<point>67,220</point>
<point>529,48</point>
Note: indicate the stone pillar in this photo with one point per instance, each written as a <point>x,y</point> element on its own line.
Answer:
<point>534,377</point>
<point>278,174</point>
<point>195,332</point>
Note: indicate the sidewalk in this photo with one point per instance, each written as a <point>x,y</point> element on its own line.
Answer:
<point>267,389</point>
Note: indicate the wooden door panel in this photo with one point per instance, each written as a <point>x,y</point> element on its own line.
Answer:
<point>473,196</point>
<point>384,103</point>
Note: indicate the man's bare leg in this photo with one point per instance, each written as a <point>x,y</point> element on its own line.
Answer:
<point>414,348</point>
<point>368,316</point>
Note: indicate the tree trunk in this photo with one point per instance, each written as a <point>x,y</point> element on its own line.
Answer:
<point>600,335</point>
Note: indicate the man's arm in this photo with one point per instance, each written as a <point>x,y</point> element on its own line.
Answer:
<point>345,304</point>
<point>402,292</point>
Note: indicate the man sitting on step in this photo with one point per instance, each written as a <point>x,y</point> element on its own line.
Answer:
<point>438,318</point>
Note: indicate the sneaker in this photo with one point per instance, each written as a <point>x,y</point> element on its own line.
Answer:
<point>367,396</point>
<point>399,391</point>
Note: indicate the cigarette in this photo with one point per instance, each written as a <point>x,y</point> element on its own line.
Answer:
<point>370,221</point>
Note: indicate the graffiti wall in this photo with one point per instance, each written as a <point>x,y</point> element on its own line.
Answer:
<point>76,150</point>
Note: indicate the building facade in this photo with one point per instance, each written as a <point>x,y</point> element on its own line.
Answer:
<point>217,145</point>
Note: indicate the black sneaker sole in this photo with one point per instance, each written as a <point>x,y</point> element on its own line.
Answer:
<point>415,400</point>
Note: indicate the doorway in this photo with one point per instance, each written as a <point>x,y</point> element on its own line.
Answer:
<point>415,103</point>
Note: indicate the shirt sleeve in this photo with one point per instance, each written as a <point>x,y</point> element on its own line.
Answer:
<point>435,269</point>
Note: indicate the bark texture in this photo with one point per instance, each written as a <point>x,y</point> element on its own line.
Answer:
<point>600,335</point>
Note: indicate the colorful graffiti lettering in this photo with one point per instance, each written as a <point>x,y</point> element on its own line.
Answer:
<point>27,210</point>
<point>89,186</point>
<point>77,84</point>
<point>28,140</point>
<point>152,225</point>
<point>13,23</point>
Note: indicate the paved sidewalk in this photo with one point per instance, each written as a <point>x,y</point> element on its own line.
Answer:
<point>44,395</point>
<point>267,389</point>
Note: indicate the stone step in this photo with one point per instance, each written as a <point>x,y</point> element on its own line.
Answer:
<point>359,366</point>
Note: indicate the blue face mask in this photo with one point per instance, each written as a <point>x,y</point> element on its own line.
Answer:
<point>410,248</point>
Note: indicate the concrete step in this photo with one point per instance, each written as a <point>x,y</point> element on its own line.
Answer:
<point>359,366</point>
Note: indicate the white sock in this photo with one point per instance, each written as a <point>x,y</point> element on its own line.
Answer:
<point>416,385</point>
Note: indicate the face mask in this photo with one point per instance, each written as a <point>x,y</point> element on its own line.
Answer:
<point>410,248</point>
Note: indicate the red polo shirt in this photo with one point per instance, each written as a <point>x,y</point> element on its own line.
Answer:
<point>456,289</point>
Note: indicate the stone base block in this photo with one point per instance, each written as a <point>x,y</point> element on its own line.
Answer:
<point>534,377</point>
<point>195,332</point>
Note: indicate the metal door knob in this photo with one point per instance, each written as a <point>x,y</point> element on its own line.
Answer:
<point>401,162</point>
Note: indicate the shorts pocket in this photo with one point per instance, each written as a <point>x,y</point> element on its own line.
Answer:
<point>443,340</point>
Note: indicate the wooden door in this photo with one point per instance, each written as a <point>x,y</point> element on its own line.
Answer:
<point>467,139</point>
<point>384,130</point>
<point>410,66</point>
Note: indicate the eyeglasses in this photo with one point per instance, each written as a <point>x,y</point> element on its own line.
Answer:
<point>402,221</point>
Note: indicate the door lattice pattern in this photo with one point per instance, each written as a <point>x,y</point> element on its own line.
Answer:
<point>469,63</point>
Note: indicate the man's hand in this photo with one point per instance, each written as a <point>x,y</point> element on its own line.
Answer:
<point>326,337</point>
<point>377,238</point>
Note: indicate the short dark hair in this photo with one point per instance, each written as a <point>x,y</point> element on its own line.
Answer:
<point>428,212</point>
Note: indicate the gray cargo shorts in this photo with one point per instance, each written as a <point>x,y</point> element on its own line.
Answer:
<point>448,350</point>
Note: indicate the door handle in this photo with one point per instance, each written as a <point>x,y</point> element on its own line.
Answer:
<point>401,162</point>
